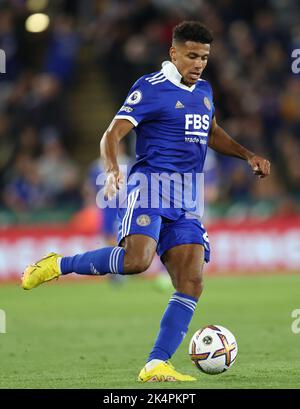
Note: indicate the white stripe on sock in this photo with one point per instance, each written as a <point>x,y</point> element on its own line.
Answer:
<point>182,303</point>
<point>111,266</point>
<point>185,300</point>
<point>113,256</point>
<point>116,259</point>
<point>188,304</point>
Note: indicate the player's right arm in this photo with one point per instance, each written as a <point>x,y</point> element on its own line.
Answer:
<point>140,104</point>
<point>109,147</point>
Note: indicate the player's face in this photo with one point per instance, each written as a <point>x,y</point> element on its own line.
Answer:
<point>190,59</point>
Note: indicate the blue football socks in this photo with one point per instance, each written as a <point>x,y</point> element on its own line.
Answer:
<point>173,326</point>
<point>97,262</point>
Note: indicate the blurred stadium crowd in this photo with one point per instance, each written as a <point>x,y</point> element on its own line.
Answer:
<point>257,97</point>
<point>36,170</point>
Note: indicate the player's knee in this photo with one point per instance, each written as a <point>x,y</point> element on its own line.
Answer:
<point>195,287</point>
<point>199,285</point>
<point>192,286</point>
<point>138,263</point>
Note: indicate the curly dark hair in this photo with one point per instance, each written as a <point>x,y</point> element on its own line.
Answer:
<point>192,31</point>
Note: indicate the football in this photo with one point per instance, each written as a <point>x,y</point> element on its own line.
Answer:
<point>213,349</point>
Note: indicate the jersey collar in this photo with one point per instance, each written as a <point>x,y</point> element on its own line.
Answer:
<point>173,75</point>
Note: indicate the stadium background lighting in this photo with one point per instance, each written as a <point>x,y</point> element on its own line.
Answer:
<point>36,23</point>
<point>36,5</point>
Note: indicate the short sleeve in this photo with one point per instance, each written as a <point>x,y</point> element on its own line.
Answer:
<point>140,104</point>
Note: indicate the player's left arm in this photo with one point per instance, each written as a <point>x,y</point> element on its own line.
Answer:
<point>221,142</point>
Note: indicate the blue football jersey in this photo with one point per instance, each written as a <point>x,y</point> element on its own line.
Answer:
<point>172,121</point>
<point>172,124</point>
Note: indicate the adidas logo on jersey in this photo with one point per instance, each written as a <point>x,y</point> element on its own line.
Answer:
<point>179,105</point>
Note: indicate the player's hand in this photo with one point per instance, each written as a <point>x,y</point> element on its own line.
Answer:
<point>114,182</point>
<point>260,166</point>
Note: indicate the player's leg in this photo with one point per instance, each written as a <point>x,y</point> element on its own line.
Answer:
<point>183,247</point>
<point>138,235</point>
<point>139,231</point>
<point>184,264</point>
<point>134,257</point>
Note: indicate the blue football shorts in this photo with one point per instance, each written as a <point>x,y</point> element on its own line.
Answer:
<point>168,228</point>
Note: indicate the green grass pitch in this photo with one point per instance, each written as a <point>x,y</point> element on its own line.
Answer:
<point>93,334</point>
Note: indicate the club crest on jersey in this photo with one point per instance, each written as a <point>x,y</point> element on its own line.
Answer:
<point>143,220</point>
<point>207,103</point>
<point>134,98</point>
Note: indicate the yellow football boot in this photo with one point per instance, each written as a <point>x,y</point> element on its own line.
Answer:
<point>43,270</point>
<point>164,372</point>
